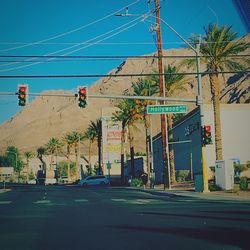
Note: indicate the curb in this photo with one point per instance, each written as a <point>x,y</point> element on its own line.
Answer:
<point>180,193</point>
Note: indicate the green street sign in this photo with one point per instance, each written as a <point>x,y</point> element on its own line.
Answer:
<point>166,109</point>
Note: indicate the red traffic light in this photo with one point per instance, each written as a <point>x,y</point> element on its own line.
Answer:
<point>207,128</point>
<point>22,89</point>
<point>82,91</point>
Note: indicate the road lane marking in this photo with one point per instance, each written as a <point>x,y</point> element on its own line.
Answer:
<point>5,202</point>
<point>81,200</point>
<point>119,200</point>
<point>42,202</point>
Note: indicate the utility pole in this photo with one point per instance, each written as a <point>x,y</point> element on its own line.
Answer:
<point>162,94</point>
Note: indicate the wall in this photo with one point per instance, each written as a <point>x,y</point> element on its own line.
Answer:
<point>235,123</point>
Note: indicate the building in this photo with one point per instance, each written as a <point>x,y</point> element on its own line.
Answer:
<point>235,121</point>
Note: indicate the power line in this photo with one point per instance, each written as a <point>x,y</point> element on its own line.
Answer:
<point>112,56</point>
<point>121,75</point>
<point>71,31</point>
<point>70,52</point>
<point>104,43</point>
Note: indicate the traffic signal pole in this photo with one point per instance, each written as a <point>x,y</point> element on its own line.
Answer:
<point>162,94</point>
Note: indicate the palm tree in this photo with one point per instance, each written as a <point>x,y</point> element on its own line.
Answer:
<point>68,140</point>
<point>217,48</point>
<point>28,156</point>
<point>77,137</point>
<point>53,147</point>
<point>173,82</point>
<point>144,87</point>
<point>126,116</point>
<point>40,153</point>
<point>90,134</point>
<point>96,128</point>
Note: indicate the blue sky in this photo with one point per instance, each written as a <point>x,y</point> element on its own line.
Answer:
<point>27,21</point>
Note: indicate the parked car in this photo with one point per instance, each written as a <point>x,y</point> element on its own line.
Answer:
<point>94,180</point>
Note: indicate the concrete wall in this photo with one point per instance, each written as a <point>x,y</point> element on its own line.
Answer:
<point>235,125</point>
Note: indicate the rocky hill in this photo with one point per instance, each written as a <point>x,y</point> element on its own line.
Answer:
<point>47,116</point>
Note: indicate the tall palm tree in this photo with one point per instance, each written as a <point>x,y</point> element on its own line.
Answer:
<point>77,137</point>
<point>144,87</point>
<point>173,82</point>
<point>68,140</point>
<point>96,128</point>
<point>53,147</point>
<point>126,116</point>
<point>90,134</point>
<point>28,155</point>
<point>218,47</point>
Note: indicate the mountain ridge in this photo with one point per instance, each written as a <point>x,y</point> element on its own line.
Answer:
<point>47,117</point>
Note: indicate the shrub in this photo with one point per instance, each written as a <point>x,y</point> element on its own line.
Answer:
<point>212,168</point>
<point>182,175</point>
<point>240,167</point>
<point>213,187</point>
<point>243,183</point>
<point>136,182</point>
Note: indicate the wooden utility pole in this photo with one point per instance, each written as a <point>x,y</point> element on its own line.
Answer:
<point>162,94</point>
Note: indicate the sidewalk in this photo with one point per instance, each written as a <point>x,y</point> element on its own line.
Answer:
<point>189,191</point>
<point>4,190</point>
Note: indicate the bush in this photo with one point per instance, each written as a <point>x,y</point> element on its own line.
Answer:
<point>240,167</point>
<point>182,175</point>
<point>212,168</point>
<point>243,183</point>
<point>136,183</point>
<point>213,187</point>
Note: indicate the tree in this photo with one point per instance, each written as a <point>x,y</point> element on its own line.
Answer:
<point>53,147</point>
<point>68,140</point>
<point>40,154</point>
<point>14,158</point>
<point>96,131</point>
<point>77,137</point>
<point>144,87</point>
<point>173,82</point>
<point>90,134</point>
<point>126,116</point>
<point>218,48</point>
<point>28,155</point>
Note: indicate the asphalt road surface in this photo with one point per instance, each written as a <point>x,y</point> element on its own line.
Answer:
<point>64,217</point>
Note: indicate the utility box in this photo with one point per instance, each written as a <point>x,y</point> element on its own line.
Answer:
<point>224,174</point>
<point>198,183</point>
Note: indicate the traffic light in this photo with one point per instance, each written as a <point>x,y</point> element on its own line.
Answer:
<point>207,137</point>
<point>22,94</point>
<point>82,96</point>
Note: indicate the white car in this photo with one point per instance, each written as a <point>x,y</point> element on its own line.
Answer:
<point>94,180</point>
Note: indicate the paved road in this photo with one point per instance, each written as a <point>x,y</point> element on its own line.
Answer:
<point>60,217</point>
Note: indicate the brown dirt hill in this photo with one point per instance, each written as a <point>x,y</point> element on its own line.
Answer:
<point>47,117</point>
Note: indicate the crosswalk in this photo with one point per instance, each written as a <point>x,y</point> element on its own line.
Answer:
<point>45,201</point>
